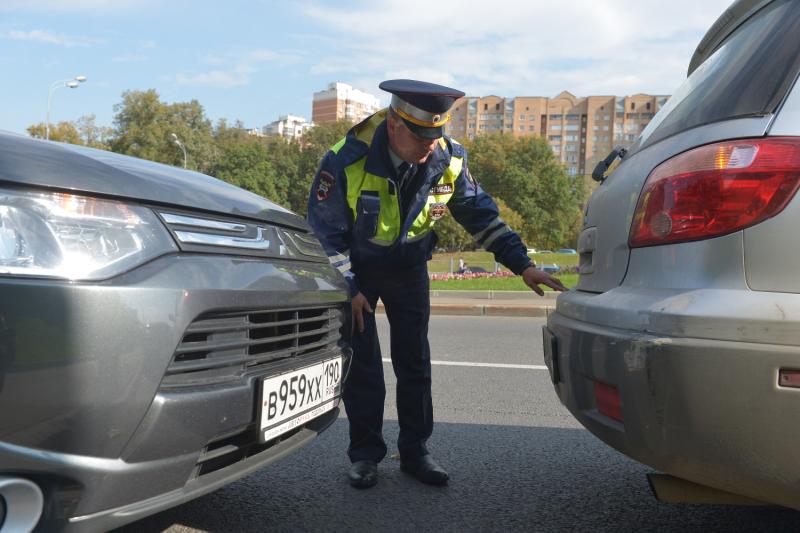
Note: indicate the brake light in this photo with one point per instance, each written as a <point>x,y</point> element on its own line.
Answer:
<point>716,189</point>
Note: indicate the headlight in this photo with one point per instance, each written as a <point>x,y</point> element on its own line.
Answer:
<point>76,237</point>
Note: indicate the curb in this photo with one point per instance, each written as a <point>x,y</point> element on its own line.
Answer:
<point>484,310</point>
<point>495,295</point>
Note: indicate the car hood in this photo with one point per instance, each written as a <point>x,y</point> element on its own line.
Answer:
<point>27,161</point>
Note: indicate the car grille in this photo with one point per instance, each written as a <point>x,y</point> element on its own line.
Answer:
<point>206,235</point>
<point>226,451</point>
<point>221,346</point>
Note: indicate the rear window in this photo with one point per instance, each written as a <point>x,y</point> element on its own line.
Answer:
<point>748,75</point>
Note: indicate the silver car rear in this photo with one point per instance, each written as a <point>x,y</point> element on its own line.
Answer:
<point>671,347</point>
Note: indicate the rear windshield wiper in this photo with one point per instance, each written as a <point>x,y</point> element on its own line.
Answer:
<point>607,165</point>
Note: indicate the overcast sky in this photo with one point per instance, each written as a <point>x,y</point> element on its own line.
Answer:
<point>255,60</point>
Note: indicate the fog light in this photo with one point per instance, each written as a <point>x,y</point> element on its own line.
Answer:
<point>789,378</point>
<point>608,401</point>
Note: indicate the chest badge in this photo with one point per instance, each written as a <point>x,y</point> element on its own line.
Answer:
<point>444,188</point>
<point>437,210</point>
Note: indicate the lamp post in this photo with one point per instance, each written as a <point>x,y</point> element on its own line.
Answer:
<point>177,141</point>
<point>72,84</point>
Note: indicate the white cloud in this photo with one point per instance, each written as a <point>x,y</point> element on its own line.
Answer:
<point>516,48</point>
<point>129,58</point>
<point>239,75</point>
<point>72,6</point>
<point>235,69</point>
<point>46,37</point>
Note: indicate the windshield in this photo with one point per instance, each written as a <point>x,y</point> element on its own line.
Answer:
<point>748,75</point>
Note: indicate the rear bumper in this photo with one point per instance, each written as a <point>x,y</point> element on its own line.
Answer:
<point>707,410</point>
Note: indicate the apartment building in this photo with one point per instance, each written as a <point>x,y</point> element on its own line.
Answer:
<point>580,131</point>
<point>289,126</point>
<point>340,101</point>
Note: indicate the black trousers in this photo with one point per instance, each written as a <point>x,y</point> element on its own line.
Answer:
<point>405,296</point>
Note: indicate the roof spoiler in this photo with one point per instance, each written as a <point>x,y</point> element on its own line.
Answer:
<point>733,17</point>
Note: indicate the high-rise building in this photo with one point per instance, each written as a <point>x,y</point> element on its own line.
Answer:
<point>342,102</point>
<point>289,126</point>
<point>581,131</point>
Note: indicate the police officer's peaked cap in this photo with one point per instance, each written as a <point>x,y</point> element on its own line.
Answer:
<point>423,106</point>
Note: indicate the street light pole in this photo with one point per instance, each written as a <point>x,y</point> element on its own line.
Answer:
<point>72,84</point>
<point>177,141</point>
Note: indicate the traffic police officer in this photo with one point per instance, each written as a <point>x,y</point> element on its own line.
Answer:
<point>374,201</point>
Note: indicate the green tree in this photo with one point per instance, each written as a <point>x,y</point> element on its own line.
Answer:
<point>83,131</point>
<point>143,126</point>
<point>313,146</point>
<point>285,159</point>
<point>240,159</point>
<point>91,134</point>
<point>523,172</point>
<point>246,164</point>
<point>453,237</point>
<point>64,132</point>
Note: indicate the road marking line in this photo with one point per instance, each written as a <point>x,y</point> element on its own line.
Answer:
<point>484,365</point>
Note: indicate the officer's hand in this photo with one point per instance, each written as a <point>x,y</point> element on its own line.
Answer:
<point>358,305</point>
<point>533,278</point>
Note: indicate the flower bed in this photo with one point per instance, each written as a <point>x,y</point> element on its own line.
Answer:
<point>444,276</point>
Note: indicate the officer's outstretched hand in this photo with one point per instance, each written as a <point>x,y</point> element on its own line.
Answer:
<point>533,278</point>
<point>358,305</point>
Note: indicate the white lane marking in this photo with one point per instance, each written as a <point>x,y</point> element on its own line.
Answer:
<point>484,365</point>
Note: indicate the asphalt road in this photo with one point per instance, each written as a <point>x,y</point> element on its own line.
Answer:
<point>517,460</point>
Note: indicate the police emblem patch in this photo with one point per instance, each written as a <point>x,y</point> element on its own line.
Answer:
<point>444,188</point>
<point>324,185</point>
<point>437,210</point>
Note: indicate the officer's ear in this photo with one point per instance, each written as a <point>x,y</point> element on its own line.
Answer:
<point>392,124</point>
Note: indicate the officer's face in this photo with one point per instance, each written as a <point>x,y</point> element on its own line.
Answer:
<point>406,144</point>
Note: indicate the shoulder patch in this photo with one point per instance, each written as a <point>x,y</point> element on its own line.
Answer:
<point>325,185</point>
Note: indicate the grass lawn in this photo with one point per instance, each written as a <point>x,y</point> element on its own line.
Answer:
<point>495,284</point>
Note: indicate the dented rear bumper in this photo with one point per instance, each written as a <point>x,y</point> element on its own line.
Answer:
<point>705,409</point>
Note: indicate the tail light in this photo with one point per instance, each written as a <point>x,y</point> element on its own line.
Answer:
<point>716,189</point>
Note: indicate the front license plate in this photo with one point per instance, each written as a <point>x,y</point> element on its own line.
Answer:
<point>294,398</point>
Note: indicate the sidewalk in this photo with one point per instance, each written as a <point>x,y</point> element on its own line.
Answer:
<point>490,303</point>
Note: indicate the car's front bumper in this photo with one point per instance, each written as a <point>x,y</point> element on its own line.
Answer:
<point>66,480</point>
<point>94,408</point>
<point>704,409</point>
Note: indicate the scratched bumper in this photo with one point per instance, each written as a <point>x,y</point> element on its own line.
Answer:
<point>705,409</point>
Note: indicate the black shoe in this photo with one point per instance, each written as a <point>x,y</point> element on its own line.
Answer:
<point>363,474</point>
<point>425,469</point>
